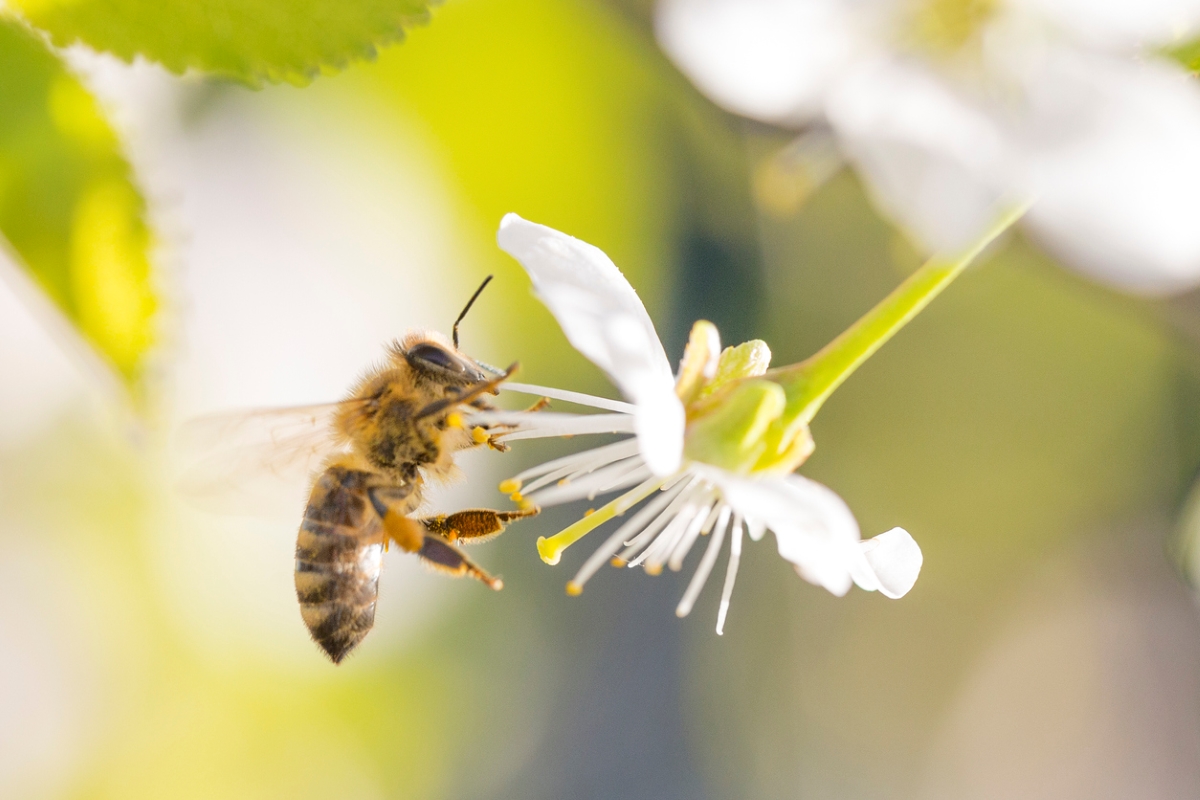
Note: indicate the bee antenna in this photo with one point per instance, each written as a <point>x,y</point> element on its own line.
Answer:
<point>466,308</point>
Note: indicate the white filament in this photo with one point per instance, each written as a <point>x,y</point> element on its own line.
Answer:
<point>641,539</point>
<point>571,397</point>
<point>667,544</point>
<point>735,555</point>
<point>589,483</point>
<point>675,563</point>
<point>704,569</point>
<point>565,465</point>
<point>543,426</point>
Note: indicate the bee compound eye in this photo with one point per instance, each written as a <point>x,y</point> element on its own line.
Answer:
<point>432,355</point>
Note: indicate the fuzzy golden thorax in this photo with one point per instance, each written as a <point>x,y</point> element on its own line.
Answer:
<point>385,426</point>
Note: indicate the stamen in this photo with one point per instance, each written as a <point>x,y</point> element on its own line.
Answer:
<point>589,483</point>
<point>635,474</point>
<point>704,569</point>
<point>605,454</point>
<point>670,491</point>
<point>571,397</point>
<point>578,469</point>
<point>550,549</point>
<point>735,555</point>
<point>553,426</point>
<point>666,544</point>
<point>685,544</point>
<point>681,520</point>
<point>634,545</point>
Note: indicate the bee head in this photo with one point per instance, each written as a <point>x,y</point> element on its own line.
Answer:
<point>441,364</point>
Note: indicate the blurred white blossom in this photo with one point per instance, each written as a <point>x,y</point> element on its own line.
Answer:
<point>947,107</point>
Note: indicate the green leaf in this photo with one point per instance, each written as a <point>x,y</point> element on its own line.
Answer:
<point>68,207</point>
<point>246,40</point>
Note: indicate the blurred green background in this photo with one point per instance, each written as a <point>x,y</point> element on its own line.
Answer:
<point>1035,433</point>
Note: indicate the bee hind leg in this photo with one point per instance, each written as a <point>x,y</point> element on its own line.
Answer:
<point>475,524</point>
<point>445,557</point>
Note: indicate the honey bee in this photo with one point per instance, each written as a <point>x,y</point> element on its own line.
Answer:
<point>400,425</point>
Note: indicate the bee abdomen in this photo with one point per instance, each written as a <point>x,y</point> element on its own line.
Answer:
<point>338,555</point>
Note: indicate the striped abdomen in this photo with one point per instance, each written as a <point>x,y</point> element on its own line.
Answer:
<point>338,555</point>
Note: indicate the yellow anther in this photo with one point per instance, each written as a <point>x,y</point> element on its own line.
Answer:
<point>479,434</point>
<point>510,486</point>
<point>455,420</point>
<point>654,569</point>
<point>564,481</point>
<point>574,589</point>
<point>617,561</point>
<point>589,512</point>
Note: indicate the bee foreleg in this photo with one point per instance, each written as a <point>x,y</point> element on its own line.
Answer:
<point>541,403</point>
<point>482,434</point>
<point>445,557</point>
<point>475,524</point>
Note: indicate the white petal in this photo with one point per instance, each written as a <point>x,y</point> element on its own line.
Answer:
<point>659,422</point>
<point>814,528</point>
<point>603,318</point>
<point>930,157</point>
<point>1111,148</point>
<point>767,59</point>
<point>893,560</point>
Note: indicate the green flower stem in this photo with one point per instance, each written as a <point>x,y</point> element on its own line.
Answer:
<point>807,384</point>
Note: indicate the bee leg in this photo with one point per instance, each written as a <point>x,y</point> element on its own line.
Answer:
<point>481,434</point>
<point>400,528</point>
<point>475,524</point>
<point>445,557</point>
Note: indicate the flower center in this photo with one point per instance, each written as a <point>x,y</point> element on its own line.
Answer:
<point>945,27</point>
<point>736,419</point>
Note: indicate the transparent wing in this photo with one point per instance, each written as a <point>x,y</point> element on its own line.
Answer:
<point>255,462</point>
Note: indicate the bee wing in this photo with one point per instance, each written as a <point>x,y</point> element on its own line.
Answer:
<point>254,462</point>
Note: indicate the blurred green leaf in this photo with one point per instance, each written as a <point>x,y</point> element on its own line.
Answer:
<point>68,206</point>
<point>249,40</point>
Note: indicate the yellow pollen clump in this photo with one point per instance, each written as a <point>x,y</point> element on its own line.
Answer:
<point>654,569</point>
<point>617,561</point>
<point>589,512</point>
<point>574,589</point>
<point>455,420</point>
<point>479,434</point>
<point>510,486</point>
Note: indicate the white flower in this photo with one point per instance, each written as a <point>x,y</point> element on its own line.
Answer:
<point>947,107</point>
<point>685,499</point>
